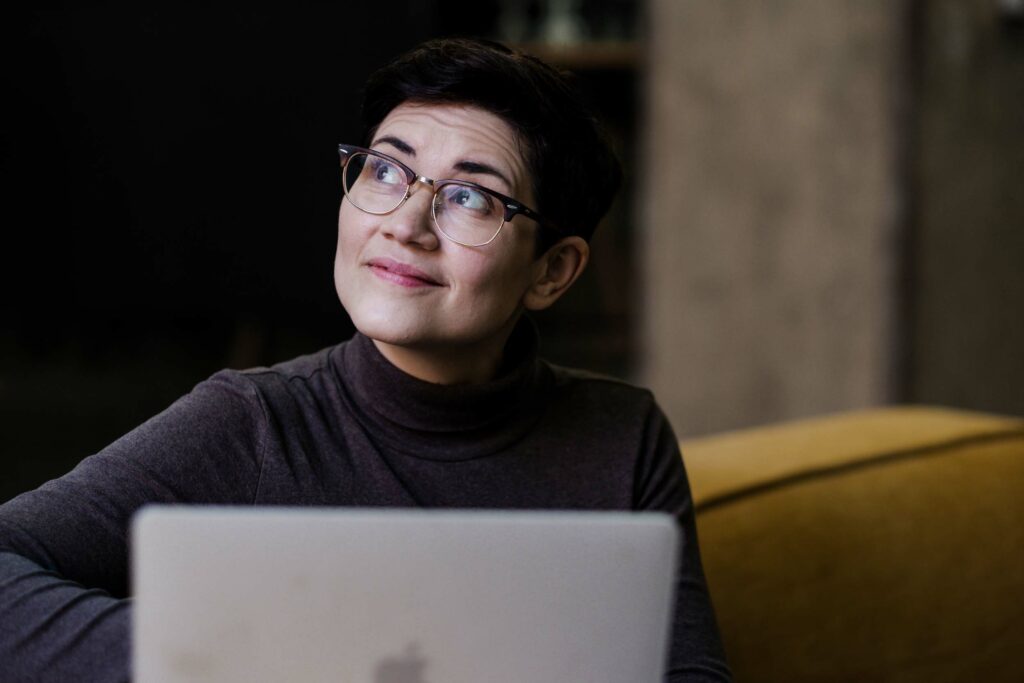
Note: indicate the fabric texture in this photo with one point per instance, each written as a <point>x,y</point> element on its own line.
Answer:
<point>342,427</point>
<point>878,545</point>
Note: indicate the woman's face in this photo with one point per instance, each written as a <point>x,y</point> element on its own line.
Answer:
<point>405,284</point>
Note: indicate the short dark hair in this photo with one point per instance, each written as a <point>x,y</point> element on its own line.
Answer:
<point>575,172</point>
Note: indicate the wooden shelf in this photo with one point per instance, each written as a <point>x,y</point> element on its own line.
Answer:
<point>595,55</point>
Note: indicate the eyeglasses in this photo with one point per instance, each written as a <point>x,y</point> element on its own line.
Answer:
<point>466,213</point>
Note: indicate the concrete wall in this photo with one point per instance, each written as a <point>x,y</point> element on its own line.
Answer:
<point>771,208</point>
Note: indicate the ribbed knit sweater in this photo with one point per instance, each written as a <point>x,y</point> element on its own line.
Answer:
<point>342,427</point>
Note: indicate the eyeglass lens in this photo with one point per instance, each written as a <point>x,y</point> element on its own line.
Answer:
<point>462,212</point>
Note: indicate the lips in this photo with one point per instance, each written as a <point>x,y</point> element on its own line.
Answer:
<point>401,273</point>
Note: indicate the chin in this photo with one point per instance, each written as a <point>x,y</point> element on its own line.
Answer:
<point>387,326</point>
<point>391,328</point>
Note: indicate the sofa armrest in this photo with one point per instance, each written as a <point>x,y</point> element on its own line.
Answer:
<point>878,545</point>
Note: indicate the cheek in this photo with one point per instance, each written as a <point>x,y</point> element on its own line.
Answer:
<point>351,232</point>
<point>351,238</point>
<point>495,285</point>
<point>474,275</point>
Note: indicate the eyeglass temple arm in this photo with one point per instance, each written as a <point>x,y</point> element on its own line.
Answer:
<point>512,209</point>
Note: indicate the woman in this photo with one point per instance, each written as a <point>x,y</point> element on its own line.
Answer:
<point>470,202</point>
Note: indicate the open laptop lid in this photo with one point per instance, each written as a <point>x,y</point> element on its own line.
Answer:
<point>391,596</point>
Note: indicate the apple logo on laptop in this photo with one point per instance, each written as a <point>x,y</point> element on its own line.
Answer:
<point>407,668</point>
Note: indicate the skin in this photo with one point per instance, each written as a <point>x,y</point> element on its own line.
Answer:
<point>437,310</point>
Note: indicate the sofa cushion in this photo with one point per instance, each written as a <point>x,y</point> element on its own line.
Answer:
<point>879,545</point>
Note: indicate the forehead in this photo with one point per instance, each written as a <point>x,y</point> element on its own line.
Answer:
<point>443,134</point>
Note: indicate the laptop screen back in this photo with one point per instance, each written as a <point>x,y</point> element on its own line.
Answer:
<point>387,596</point>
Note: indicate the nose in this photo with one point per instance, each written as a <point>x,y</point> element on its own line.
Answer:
<point>412,223</point>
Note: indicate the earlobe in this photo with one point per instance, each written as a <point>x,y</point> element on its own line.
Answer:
<point>557,269</point>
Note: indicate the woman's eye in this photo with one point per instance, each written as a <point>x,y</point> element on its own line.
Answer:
<point>386,173</point>
<point>468,198</point>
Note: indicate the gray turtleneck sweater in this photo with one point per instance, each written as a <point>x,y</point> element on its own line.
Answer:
<point>341,427</point>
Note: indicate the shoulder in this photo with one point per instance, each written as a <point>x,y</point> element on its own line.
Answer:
<point>590,386</point>
<point>601,406</point>
<point>309,375</point>
<point>300,369</point>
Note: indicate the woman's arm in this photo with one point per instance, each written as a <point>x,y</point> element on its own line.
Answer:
<point>64,596</point>
<point>695,648</point>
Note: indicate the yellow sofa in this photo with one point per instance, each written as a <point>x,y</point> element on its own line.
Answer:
<point>884,545</point>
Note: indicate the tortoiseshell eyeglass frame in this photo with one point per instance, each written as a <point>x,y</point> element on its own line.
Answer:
<point>512,207</point>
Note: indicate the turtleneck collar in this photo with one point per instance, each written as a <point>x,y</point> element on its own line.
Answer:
<point>445,422</point>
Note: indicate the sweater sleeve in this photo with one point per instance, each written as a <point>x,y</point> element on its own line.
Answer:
<point>64,605</point>
<point>695,648</point>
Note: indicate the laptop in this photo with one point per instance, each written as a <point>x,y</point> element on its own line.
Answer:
<point>232,594</point>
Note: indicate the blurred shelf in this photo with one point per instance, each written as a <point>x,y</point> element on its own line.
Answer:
<point>594,55</point>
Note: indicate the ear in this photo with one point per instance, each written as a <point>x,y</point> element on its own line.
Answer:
<point>555,272</point>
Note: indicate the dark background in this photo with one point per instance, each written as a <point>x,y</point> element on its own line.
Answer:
<point>169,187</point>
<point>170,193</point>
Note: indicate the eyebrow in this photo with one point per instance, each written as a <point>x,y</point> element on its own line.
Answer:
<point>485,169</point>
<point>397,143</point>
<point>466,166</point>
